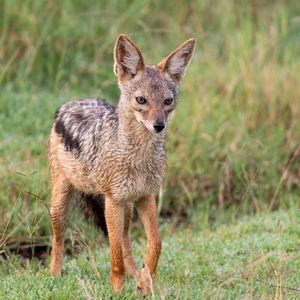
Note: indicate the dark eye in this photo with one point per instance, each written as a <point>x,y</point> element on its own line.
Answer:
<point>168,101</point>
<point>141,100</point>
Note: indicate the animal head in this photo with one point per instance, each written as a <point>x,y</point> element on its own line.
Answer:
<point>150,92</point>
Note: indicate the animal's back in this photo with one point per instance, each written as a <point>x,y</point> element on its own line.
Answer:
<point>81,122</point>
<point>78,139</point>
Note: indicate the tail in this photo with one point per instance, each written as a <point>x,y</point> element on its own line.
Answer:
<point>93,208</point>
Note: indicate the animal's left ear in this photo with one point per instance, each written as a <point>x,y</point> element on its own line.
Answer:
<point>176,63</point>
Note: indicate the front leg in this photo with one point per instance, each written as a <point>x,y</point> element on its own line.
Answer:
<point>129,263</point>
<point>114,216</point>
<point>147,211</point>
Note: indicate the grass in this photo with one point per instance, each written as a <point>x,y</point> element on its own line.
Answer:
<point>233,145</point>
<point>254,258</point>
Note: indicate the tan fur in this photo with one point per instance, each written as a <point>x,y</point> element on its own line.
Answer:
<point>145,282</point>
<point>119,153</point>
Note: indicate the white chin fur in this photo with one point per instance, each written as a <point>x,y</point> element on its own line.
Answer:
<point>151,129</point>
<point>148,125</point>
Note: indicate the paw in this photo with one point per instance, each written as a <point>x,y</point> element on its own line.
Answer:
<point>117,283</point>
<point>144,282</point>
<point>56,267</point>
<point>55,272</point>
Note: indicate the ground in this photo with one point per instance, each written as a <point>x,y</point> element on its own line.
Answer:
<point>254,258</point>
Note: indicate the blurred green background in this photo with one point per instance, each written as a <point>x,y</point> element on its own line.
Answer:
<point>233,143</point>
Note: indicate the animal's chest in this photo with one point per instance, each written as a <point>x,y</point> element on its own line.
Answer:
<point>136,182</point>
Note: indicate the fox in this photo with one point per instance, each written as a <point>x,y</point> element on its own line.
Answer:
<point>110,159</point>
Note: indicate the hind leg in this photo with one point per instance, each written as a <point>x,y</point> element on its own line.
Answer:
<point>129,262</point>
<point>61,194</point>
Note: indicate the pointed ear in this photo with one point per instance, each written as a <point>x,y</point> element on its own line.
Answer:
<point>176,63</point>
<point>128,58</point>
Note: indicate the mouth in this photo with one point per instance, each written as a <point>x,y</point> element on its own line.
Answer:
<point>151,128</point>
<point>155,129</point>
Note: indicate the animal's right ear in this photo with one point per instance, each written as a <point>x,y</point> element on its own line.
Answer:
<point>128,58</point>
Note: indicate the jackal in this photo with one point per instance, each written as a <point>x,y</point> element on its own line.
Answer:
<point>112,158</point>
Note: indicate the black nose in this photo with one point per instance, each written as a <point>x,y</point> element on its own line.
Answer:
<point>159,127</point>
